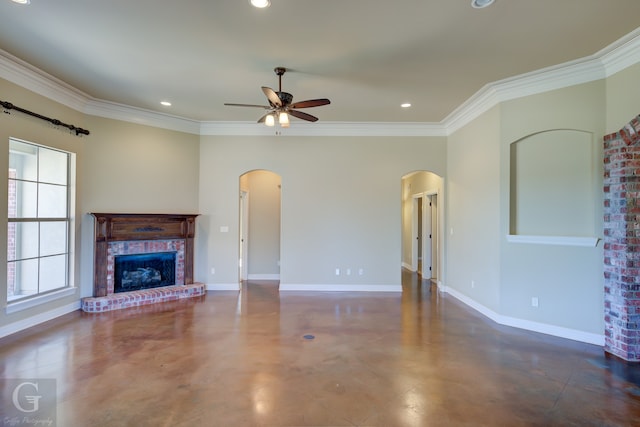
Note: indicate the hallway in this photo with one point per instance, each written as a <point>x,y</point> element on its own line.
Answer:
<point>261,358</point>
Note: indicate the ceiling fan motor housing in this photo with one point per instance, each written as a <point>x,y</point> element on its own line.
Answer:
<point>285,97</point>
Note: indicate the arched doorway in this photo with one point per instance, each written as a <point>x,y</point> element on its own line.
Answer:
<point>259,231</point>
<point>421,224</point>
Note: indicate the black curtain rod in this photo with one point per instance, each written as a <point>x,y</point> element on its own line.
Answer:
<point>56,122</point>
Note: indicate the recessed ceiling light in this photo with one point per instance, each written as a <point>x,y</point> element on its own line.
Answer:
<point>260,3</point>
<point>406,105</point>
<point>21,1</point>
<point>165,103</point>
<point>479,4</point>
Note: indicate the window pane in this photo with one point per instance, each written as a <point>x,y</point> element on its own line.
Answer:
<point>53,166</point>
<point>53,272</point>
<point>38,226</point>
<point>26,275</point>
<point>25,240</point>
<point>52,201</point>
<point>23,158</point>
<point>11,279</point>
<point>11,241</point>
<point>26,199</point>
<point>53,238</point>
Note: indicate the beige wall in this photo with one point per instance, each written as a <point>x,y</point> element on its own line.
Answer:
<point>341,204</point>
<point>568,280</point>
<point>473,210</point>
<point>623,98</point>
<point>132,168</point>
<point>503,276</point>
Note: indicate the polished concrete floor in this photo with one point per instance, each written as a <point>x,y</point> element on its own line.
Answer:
<point>260,358</point>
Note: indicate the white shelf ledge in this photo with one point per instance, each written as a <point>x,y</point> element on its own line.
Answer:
<point>590,242</point>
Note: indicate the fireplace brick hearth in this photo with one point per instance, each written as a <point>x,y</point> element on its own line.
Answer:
<point>130,234</point>
<point>141,297</point>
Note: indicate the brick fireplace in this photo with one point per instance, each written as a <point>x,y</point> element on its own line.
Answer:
<point>142,243</point>
<point>622,242</point>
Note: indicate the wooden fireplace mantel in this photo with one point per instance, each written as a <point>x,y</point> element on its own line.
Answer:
<point>112,227</point>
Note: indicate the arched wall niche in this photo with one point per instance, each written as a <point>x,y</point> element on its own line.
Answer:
<point>552,179</point>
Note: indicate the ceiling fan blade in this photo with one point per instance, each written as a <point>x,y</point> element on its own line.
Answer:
<point>266,107</point>
<point>311,103</point>
<point>272,96</point>
<point>303,116</point>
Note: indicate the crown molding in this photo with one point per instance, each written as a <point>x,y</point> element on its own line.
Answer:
<point>29,77</point>
<point>616,57</point>
<point>113,110</point>
<point>622,54</point>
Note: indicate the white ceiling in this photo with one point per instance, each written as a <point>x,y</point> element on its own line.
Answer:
<point>366,56</point>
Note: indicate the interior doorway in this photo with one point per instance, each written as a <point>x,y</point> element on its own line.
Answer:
<point>259,231</point>
<point>424,250</point>
<point>422,232</point>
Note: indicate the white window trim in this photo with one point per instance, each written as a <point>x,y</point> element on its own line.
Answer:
<point>43,298</point>
<point>27,303</point>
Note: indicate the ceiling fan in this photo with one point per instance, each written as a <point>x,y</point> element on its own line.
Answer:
<point>280,105</point>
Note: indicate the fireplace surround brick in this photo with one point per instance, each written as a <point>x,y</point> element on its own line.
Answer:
<point>622,242</point>
<point>130,234</point>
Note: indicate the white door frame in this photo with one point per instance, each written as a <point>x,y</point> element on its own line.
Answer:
<point>434,230</point>
<point>243,259</point>
<point>427,233</point>
<point>416,220</point>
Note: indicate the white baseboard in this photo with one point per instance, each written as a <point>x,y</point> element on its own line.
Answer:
<point>557,331</point>
<point>223,286</point>
<point>318,287</point>
<point>29,322</point>
<point>263,277</point>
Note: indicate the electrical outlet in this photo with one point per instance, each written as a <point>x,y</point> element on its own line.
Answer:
<point>348,272</point>
<point>337,271</point>
<point>361,271</point>
<point>213,270</point>
<point>473,284</point>
<point>534,301</point>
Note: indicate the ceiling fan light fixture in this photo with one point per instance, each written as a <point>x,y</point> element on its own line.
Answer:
<point>479,4</point>
<point>261,4</point>
<point>270,120</point>
<point>283,119</point>
<point>21,1</point>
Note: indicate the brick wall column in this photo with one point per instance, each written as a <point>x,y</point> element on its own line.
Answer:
<point>622,242</point>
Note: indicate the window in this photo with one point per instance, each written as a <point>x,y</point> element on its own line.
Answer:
<point>38,220</point>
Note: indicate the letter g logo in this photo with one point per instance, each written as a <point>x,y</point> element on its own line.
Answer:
<point>32,399</point>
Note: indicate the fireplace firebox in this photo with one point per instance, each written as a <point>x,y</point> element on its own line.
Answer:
<point>144,271</point>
